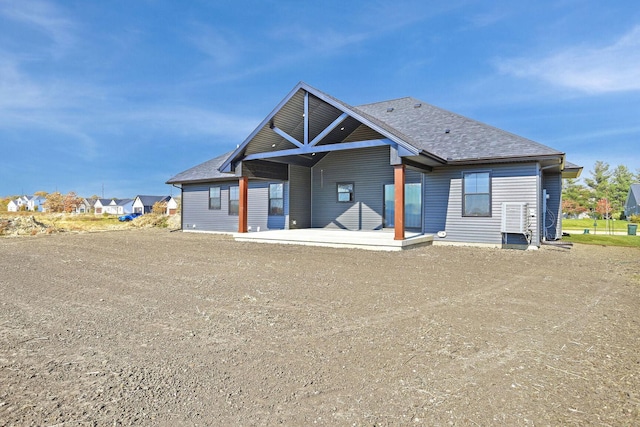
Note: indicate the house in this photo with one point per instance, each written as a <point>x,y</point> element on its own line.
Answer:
<point>144,204</point>
<point>121,206</point>
<point>13,206</point>
<point>19,204</point>
<point>85,205</point>
<point>99,206</point>
<point>632,205</point>
<point>36,203</point>
<point>317,162</point>
<point>172,206</point>
<point>113,206</point>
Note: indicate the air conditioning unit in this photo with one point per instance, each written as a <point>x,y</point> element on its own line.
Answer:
<point>515,218</point>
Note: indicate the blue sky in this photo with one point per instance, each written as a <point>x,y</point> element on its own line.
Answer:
<point>122,94</point>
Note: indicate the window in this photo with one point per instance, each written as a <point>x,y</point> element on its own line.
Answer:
<point>234,200</point>
<point>476,195</point>
<point>345,192</point>
<point>214,198</point>
<point>276,199</point>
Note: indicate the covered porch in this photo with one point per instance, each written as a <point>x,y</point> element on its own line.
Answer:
<point>377,240</point>
<point>344,169</point>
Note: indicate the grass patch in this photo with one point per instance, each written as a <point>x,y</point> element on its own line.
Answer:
<point>69,222</point>
<point>581,224</point>
<point>604,240</point>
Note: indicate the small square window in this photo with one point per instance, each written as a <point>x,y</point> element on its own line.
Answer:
<point>345,192</point>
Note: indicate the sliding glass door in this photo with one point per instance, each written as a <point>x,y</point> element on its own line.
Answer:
<point>412,205</point>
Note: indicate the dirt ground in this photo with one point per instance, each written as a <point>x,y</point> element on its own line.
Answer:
<point>150,327</point>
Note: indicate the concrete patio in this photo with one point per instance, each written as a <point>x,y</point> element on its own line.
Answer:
<point>378,240</point>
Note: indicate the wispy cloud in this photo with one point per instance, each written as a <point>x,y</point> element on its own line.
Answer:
<point>611,68</point>
<point>43,17</point>
<point>222,49</point>
<point>185,120</point>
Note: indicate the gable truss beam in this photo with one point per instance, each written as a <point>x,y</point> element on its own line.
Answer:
<point>285,135</point>
<point>341,118</point>
<point>305,116</point>
<point>308,149</point>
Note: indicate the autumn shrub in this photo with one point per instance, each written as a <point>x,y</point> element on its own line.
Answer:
<point>159,208</point>
<point>150,220</point>
<point>635,219</point>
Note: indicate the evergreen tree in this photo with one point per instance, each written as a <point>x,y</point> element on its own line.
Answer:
<point>599,181</point>
<point>575,197</point>
<point>619,188</point>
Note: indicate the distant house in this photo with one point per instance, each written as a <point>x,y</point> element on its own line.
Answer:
<point>21,203</point>
<point>172,206</point>
<point>85,206</point>
<point>144,204</point>
<point>122,206</point>
<point>13,206</point>
<point>99,206</point>
<point>113,206</point>
<point>632,205</point>
<point>36,204</point>
<point>318,162</point>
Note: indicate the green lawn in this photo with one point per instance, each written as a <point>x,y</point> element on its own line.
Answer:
<point>581,224</point>
<point>604,240</point>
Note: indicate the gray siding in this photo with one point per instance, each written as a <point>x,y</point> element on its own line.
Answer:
<point>196,215</point>
<point>442,199</point>
<point>552,228</point>
<point>299,197</point>
<point>369,170</point>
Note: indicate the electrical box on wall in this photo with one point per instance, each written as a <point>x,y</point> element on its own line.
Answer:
<point>515,218</point>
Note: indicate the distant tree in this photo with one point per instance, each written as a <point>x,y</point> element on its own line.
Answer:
<point>579,196</point>
<point>54,202</point>
<point>603,209</point>
<point>70,202</point>
<point>573,209</point>
<point>599,181</point>
<point>40,193</point>
<point>619,189</point>
<point>4,203</point>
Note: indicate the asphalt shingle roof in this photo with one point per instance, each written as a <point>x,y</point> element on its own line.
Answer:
<point>206,171</point>
<point>635,190</point>
<point>448,135</point>
<point>151,200</point>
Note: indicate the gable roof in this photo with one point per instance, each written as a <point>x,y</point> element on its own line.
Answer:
<point>423,134</point>
<point>151,200</point>
<point>634,191</point>
<point>206,171</point>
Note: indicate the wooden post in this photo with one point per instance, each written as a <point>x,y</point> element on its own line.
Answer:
<point>398,175</point>
<point>242,204</point>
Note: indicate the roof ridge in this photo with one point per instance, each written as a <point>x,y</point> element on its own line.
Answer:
<point>388,100</point>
